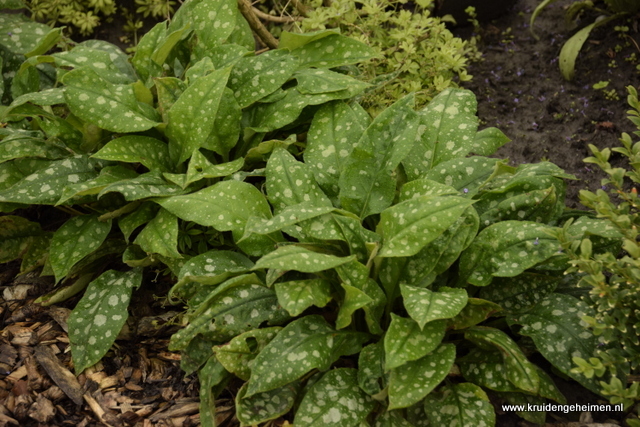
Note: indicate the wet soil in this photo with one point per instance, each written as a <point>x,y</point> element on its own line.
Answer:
<point>521,91</point>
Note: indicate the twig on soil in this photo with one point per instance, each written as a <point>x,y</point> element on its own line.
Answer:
<point>256,25</point>
<point>279,19</point>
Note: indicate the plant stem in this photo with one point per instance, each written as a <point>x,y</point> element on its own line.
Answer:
<point>255,24</point>
<point>129,207</point>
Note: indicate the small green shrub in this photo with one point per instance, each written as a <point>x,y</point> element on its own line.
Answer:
<point>416,52</point>
<point>319,251</point>
<point>612,277</point>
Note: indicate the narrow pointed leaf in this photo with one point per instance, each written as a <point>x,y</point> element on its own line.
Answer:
<point>150,184</point>
<point>160,235</point>
<point>300,259</point>
<point>97,319</point>
<point>151,152</point>
<point>332,51</point>
<point>74,240</point>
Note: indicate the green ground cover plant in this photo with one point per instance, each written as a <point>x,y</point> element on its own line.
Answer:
<point>613,278</point>
<point>416,52</point>
<point>384,261</point>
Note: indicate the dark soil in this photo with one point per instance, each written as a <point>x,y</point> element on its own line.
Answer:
<point>521,91</point>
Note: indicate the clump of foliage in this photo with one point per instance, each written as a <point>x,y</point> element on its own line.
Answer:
<point>85,16</point>
<point>319,251</point>
<point>416,52</point>
<point>612,277</point>
<point>613,10</point>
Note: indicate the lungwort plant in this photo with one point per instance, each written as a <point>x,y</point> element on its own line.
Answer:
<point>347,270</point>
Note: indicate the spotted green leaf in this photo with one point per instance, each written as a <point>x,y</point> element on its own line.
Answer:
<point>200,167</point>
<point>51,96</point>
<point>449,125</point>
<point>109,106</point>
<point>192,116</point>
<point>518,294</point>
<point>11,4</point>
<point>20,34</point>
<point>334,131</point>
<point>265,406</point>
<point>424,305</point>
<point>476,311</point>
<point>213,379</point>
<point>108,175</point>
<point>213,267</point>
<point>16,236</point>
<point>151,152</point>
<point>228,310</point>
<point>97,319</point>
<point>416,415</point>
<point>312,80</point>
<point>366,183</point>
<point>160,235</point>
<point>37,253</point>
<point>487,141</point>
<point>392,419</point>
<point>98,61</point>
<point>148,52</point>
<point>486,368</point>
<point>237,355</point>
<point>150,184</point>
<point>409,226</point>
<point>506,249</point>
<point>290,182</point>
<point>265,117</point>
<point>519,370</point>
<point>289,216</point>
<point>556,327</point>
<point>255,77</point>
<point>535,205</point>
<point>406,341</point>
<point>45,186</point>
<point>371,376</point>
<point>145,213</point>
<point>424,187</point>
<point>303,345</point>
<point>332,51</point>
<point>411,382</point>
<point>469,173</point>
<point>74,240</point>
<point>360,292</point>
<point>297,295</point>
<point>346,406</point>
<point>437,256</point>
<point>463,404</point>
<point>297,258</point>
<point>584,227</point>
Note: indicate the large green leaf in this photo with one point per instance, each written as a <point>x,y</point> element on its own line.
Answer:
<point>424,305</point>
<point>366,183</point>
<point>518,294</point>
<point>74,240</point>
<point>108,175</point>
<point>448,128</point>
<point>556,327</point>
<point>303,345</point>
<point>406,341</point>
<point>151,152</point>
<point>466,175</point>
<point>411,382</point>
<point>109,106</point>
<point>45,186</point>
<point>463,404</point>
<point>506,249</point>
<point>332,51</point>
<point>334,130</point>
<point>265,406</point>
<point>297,258</point>
<point>27,145</point>
<point>20,34</point>
<point>371,376</point>
<point>150,184</point>
<point>213,267</point>
<point>192,116</point>
<point>97,319</point>
<point>97,60</point>
<point>335,400</point>
<point>255,77</point>
<point>410,225</point>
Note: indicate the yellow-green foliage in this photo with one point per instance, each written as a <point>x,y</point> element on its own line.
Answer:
<point>417,53</point>
<point>85,16</point>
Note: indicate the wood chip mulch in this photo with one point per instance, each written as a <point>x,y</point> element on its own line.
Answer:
<point>138,383</point>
